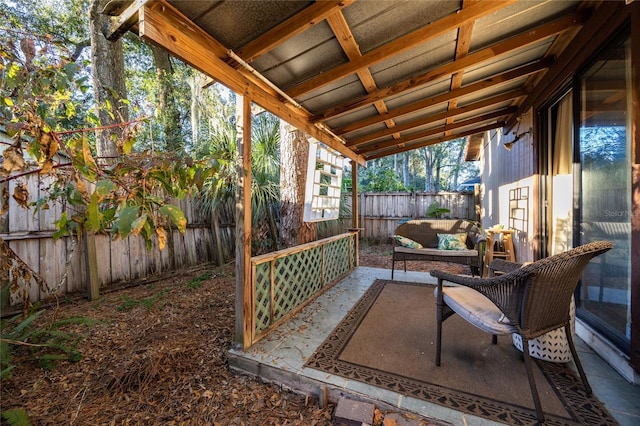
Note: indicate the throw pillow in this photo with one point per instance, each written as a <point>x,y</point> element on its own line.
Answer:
<point>452,241</point>
<point>407,242</point>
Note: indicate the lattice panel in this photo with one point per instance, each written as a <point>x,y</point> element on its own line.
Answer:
<point>339,259</point>
<point>263,297</point>
<point>283,284</point>
<point>297,278</point>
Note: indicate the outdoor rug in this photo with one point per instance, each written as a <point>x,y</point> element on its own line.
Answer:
<point>388,340</point>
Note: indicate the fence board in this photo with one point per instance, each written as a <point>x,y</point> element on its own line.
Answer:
<point>77,279</point>
<point>29,252</point>
<point>120,260</point>
<point>103,255</point>
<point>190,246</point>
<point>52,262</point>
<point>21,219</point>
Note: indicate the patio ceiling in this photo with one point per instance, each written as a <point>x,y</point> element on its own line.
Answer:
<point>370,78</point>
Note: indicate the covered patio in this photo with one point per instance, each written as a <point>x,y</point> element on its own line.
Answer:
<point>281,357</point>
<point>367,79</point>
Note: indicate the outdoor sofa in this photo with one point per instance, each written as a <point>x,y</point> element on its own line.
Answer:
<point>443,240</point>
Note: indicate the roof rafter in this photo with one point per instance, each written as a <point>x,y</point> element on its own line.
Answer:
<point>499,79</point>
<point>290,28</point>
<point>534,35</point>
<point>440,129</point>
<point>343,33</point>
<point>161,24</point>
<point>449,113</point>
<point>463,43</point>
<point>417,145</point>
<point>402,44</point>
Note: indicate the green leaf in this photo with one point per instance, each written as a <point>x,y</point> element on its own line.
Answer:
<point>137,224</point>
<point>16,417</point>
<point>61,226</point>
<point>108,215</point>
<point>176,216</point>
<point>105,187</point>
<point>128,145</point>
<point>94,217</point>
<point>124,221</point>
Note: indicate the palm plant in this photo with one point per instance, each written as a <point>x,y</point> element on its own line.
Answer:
<point>218,194</point>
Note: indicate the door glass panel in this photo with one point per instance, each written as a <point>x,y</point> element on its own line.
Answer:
<point>605,188</point>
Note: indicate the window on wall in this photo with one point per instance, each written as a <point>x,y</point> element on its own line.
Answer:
<point>324,181</point>
<point>604,210</point>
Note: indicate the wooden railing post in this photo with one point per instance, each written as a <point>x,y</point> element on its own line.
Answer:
<point>244,326</point>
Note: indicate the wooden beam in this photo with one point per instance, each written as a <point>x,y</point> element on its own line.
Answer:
<point>602,25</point>
<point>341,29</point>
<point>163,25</point>
<point>410,147</point>
<point>400,45</point>
<point>496,80</point>
<point>463,44</point>
<point>440,129</point>
<point>519,41</point>
<point>450,113</point>
<point>290,28</point>
<point>245,308</point>
<point>126,20</point>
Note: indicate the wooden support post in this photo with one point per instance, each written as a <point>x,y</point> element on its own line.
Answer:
<point>244,289</point>
<point>93,289</point>
<point>354,207</point>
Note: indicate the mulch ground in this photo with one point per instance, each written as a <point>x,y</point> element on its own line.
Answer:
<point>156,354</point>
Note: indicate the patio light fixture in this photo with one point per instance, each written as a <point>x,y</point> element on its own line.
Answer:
<point>509,145</point>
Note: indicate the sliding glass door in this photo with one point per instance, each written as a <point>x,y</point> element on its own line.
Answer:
<point>602,180</point>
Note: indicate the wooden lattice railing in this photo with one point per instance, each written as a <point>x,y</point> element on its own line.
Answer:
<point>283,282</point>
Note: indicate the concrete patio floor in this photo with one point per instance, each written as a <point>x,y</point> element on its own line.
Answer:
<point>280,358</point>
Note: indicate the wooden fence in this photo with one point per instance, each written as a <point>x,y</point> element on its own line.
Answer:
<point>380,213</point>
<point>29,236</point>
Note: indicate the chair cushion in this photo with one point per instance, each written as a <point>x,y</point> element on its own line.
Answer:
<point>476,309</point>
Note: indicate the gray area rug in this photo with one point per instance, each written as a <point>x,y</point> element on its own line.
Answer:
<point>388,340</point>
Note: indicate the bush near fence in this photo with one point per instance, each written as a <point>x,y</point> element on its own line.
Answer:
<point>29,235</point>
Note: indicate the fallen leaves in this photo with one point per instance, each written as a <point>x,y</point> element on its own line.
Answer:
<point>155,366</point>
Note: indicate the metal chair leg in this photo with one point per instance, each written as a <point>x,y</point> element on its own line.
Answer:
<point>532,381</point>
<point>576,360</point>
<point>439,320</point>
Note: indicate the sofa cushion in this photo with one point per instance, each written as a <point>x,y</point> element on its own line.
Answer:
<point>407,242</point>
<point>476,309</point>
<point>436,252</point>
<point>452,241</point>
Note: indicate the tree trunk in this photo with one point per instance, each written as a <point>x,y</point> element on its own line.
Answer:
<point>196,83</point>
<point>109,86</point>
<point>294,153</point>
<point>167,106</point>
<point>458,165</point>
<point>428,170</point>
<point>405,170</point>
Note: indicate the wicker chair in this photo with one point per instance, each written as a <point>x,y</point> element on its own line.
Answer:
<point>530,300</point>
